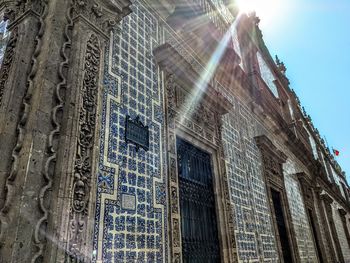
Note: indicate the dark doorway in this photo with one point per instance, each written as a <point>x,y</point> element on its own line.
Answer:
<point>314,233</point>
<point>199,229</point>
<point>281,226</point>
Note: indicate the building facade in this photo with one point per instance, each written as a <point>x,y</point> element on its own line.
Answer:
<point>157,131</point>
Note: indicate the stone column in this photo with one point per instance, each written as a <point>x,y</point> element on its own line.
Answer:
<point>48,116</point>
<point>16,73</point>
<point>329,214</point>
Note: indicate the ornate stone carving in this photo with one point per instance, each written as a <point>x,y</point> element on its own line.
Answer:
<point>176,258</point>
<point>84,150</point>
<point>170,86</point>
<point>280,65</point>
<point>173,174</point>
<point>272,158</point>
<point>172,142</point>
<point>102,14</point>
<point>174,202</point>
<point>272,167</point>
<point>7,61</point>
<point>16,9</point>
<point>176,233</point>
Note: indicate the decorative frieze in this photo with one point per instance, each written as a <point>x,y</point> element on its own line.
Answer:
<point>104,14</point>
<point>16,10</point>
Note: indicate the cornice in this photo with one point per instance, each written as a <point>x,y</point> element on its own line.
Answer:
<point>103,14</point>
<point>267,147</point>
<point>328,188</point>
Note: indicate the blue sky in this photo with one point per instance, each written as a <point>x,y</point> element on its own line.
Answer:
<point>312,38</point>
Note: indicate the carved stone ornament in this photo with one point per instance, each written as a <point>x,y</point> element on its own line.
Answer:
<point>84,150</point>
<point>176,233</point>
<point>272,157</point>
<point>7,61</point>
<point>103,14</point>
<point>15,9</point>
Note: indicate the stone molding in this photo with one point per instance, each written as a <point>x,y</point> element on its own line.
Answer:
<point>101,15</point>
<point>81,190</point>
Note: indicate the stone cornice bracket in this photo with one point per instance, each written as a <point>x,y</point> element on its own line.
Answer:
<point>267,147</point>
<point>342,211</point>
<point>101,15</point>
<point>272,160</point>
<point>326,198</point>
<point>307,189</point>
<point>171,61</point>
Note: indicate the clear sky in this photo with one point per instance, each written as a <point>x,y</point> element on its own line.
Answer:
<point>312,38</point>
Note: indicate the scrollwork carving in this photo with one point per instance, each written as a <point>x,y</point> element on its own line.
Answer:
<point>174,200</point>
<point>176,233</point>
<point>84,150</point>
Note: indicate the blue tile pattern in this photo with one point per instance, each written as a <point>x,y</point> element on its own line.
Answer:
<point>132,86</point>
<point>253,228</point>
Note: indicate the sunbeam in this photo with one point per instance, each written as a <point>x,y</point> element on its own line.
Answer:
<point>201,85</point>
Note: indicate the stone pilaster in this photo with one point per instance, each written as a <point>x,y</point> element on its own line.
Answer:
<point>342,213</point>
<point>329,214</point>
<point>15,82</point>
<point>50,86</point>
<point>309,201</point>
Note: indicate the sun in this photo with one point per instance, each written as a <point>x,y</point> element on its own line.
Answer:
<point>267,10</point>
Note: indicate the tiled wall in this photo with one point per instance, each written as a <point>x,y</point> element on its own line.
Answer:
<point>253,228</point>
<point>300,221</point>
<point>131,209</point>
<point>131,215</point>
